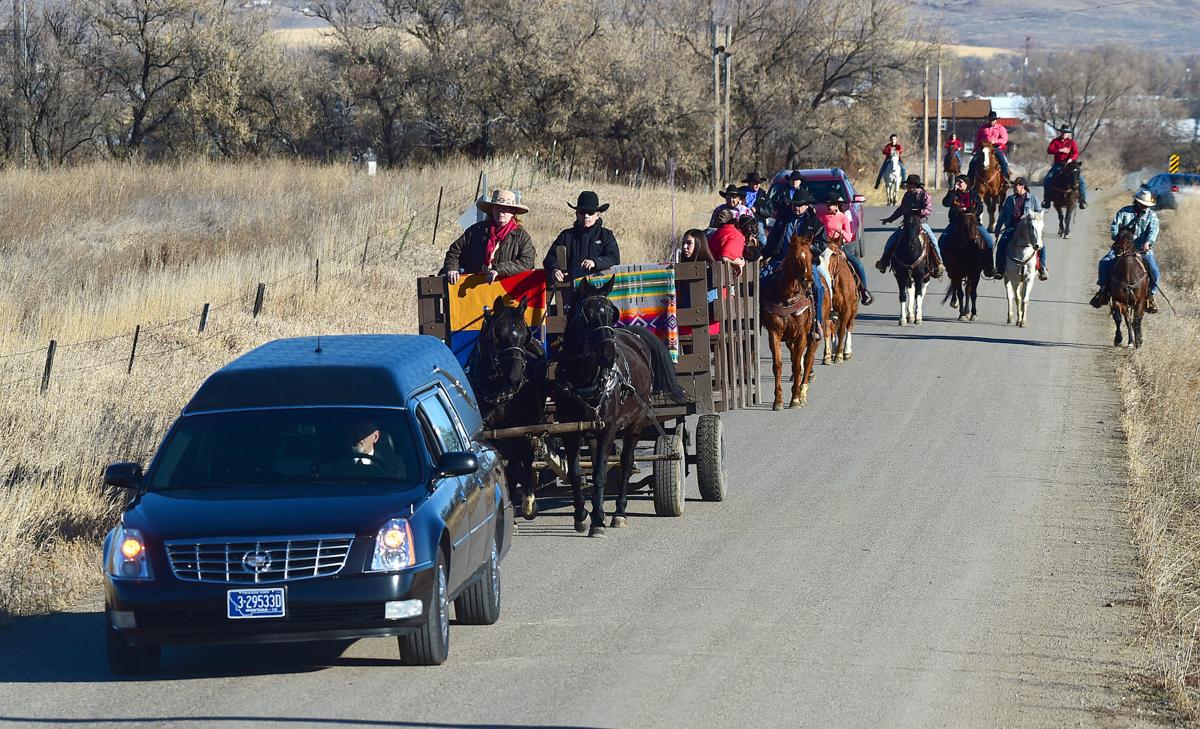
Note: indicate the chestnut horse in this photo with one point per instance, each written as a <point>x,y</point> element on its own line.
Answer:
<point>952,167</point>
<point>787,315</point>
<point>1128,289</point>
<point>843,306</point>
<point>1063,193</point>
<point>966,256</point>
<point>989,183</point>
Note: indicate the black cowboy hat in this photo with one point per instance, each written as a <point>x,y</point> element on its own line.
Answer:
<point>795,175</point>
<point>801,197</point>
<point>914,180</point>
<point>731,191</point>
<point>1067,129</point>
<point>753,177</point>
<point>836,198</point>
<point>963,178</point>
<point>588,202</point>
<point>992,116</point>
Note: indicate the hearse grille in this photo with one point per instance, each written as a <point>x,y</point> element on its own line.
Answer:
<point>258,561</point>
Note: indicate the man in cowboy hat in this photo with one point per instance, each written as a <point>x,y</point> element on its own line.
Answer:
<point>800,219</point>
<point>498,246</point>
<point>991,131</point>
<point>1141,217</point>
<point>1064,149</point>
<point>591,248</point>
<point>734,201</point>
<point>1015,206</point>
<point>916,201</point>
<point>752,187</point>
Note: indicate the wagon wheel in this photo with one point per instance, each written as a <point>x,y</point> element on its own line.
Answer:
<point>668,476</point>
<point>710,458</point>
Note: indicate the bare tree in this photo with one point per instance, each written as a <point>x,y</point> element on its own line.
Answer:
<point>1084,89</point>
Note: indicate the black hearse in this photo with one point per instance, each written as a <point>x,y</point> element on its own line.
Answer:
<point>313,489</point>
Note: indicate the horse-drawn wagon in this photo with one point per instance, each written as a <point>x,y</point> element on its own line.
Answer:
<point>711,326</point>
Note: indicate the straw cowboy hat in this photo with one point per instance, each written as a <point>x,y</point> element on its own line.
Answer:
<point>504,199</point>
<point>1144,198</point>
<point>588,202</point>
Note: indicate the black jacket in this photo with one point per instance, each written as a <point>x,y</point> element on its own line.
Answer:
<point>976,203</point>
<point>596,243</point>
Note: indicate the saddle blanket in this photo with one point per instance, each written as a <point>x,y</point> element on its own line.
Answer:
<point>645,295</point>
<point>467,300</point>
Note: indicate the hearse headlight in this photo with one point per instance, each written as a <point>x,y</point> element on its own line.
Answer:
<point>393,547</point>
<point>127,558</point>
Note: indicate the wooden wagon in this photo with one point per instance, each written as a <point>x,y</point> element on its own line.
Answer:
<point>717,368</point>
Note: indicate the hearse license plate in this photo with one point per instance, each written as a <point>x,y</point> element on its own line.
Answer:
<point>262,602</point>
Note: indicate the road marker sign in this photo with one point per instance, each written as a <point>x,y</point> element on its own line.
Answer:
<point>1173,163</point>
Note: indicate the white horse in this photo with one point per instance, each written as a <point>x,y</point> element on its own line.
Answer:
<point>891,178</point>
<point>1020,268</point>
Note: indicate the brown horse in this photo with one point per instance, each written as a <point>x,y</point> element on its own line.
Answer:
<point>989,183</point>
<point>1128,289</point>
<point>843,306</point>
<point>1063,193</point>
<point>966,256</point>
<point>787,315</point>
<point>952,167</point>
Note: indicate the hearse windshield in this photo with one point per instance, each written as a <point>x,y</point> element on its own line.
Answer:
<point>287,446</point>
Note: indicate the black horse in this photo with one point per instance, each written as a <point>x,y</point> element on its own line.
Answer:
<point>607,373</point>
<point>966,256</point>
<point>1063,193</point>
<point>911,265</point>
<point>508,373</point>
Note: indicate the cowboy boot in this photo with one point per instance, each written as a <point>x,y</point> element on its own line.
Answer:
<point>1101,298</point>
<point>1043,274</point>
<point>937,273</point>
<point>1151,307</point>
<point>864,295</point>
<point>881,266</point>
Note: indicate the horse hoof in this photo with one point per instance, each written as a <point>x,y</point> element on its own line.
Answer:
<point>973,317</point>
<point>619,522</point>
<point>795,403</point>
<point>903,323</point>
<point>777,406</point>
<point>581,523</point>
<point>918,322</point>
<point>837,358</point>
<point>529,507</point>
<point>827,360</point>
<point>597,530</point>
<point>962,317</point>
<point>847,355</point>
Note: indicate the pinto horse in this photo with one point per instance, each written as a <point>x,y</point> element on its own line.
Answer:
<point>1020,266</point>
<point>989,183</point>
<point>1128,289</point>
<point>1063,193</point>
<point>608,373</point>
<point>912,267</point>
<point>843,306</point>
<point>508,374</point>
<point>966,256</point>
<point>787,314</point>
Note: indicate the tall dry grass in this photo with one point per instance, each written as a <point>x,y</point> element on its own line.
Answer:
<point>1161,389</point>
<point>89,253</point>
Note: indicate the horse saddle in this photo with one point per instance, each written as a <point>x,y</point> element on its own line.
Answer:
<point>794,306</point>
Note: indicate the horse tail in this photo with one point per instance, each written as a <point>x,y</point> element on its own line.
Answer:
<point>662,369</point>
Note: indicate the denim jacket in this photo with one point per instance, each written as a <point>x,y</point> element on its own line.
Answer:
<point>1010,208</point>
<point>1145,226</point>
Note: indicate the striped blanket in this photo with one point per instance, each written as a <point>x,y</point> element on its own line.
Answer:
<point>645,294</point>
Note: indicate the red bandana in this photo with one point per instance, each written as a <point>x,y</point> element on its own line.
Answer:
<point>495,236</point>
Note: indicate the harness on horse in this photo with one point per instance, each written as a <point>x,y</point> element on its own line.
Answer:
<point>607,381</point>
<point>795,306</point>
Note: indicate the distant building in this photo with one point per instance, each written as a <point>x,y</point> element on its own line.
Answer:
<point>960,116</point>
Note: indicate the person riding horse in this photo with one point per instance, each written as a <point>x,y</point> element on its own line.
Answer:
<point>954,147</point>
<point>801,219</point>
<point>994,132</point>
<point>1021,201</point>
<point>893,145</point>
<point>779,198</point>
<point>916,201</point>
<point>1064,149</point>
<point>962,199</point>
<point>1144,221</point>
<point>837,227</point>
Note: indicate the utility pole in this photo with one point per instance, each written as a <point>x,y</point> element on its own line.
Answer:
<point>21,58</point>
<point>716,150</point>
<point>728,83</point>
<point>925,127</point>
<point>937,178</point>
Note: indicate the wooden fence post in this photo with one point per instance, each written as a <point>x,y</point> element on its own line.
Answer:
<point>437,216</point>
<point>203,317</point>
<point>317,276</point>
<point>137,333</point>
<point>49,366</point>
<point>366,243</point>
<point>412,218</point>
<point>258,299</point>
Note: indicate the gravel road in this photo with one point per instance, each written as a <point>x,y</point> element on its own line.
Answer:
<point>937,539</point>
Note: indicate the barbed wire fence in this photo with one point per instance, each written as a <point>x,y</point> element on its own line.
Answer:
<point>40,367</point>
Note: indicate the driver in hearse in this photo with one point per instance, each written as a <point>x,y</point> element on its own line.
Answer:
<point>364,436</point>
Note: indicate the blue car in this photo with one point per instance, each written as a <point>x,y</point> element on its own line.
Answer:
<point>1169,188</point>
<point>312,489</point>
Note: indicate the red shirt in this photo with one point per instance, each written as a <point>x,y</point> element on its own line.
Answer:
<point>954,145</point>
<point>727,243</point>
<point>1064,150</point>
<point>889,148</point>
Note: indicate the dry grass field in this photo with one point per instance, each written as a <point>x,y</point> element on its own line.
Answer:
<point>1161,389</point>
<point>88,254</point>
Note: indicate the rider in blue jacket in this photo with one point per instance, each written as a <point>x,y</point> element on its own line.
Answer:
<point>801,219</point>
<point>1015,206</point>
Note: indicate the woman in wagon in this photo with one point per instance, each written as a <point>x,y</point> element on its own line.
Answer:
<point>591,248</point>
<point>498,246</point>
<point>726,242</point>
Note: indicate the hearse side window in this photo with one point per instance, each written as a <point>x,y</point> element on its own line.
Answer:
<point>437,417</point>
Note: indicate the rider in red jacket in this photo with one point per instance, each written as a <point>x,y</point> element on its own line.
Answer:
<point>893,145</point>
<point>954,146</point>
<point>1065,150</point>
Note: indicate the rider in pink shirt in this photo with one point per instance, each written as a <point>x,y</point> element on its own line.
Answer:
<point>993,131</point>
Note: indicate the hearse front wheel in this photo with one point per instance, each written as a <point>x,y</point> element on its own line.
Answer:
<point>430,644</point>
